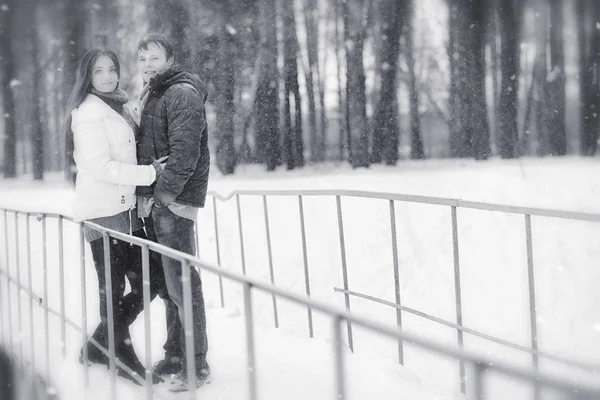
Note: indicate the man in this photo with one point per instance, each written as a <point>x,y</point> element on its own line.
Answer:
<point>173,123</point>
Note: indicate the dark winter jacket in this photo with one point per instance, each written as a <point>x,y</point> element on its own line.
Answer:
<point>173,123</point>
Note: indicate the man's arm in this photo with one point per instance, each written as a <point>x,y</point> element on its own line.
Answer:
<point>186,119</point>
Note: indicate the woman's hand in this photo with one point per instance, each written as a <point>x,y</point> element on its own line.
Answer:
<point>159,166</point>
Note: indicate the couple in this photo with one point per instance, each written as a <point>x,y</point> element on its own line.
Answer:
<point>161,147</point>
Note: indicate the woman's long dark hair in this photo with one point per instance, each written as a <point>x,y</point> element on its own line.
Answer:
<point>83,86</point>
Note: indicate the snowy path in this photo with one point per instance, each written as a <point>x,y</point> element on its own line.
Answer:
<point>492,256</point>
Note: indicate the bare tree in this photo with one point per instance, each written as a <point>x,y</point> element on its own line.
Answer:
<point>267,92</point>
<point>293,141</point>
<point>343,148</point>
<point>75,48</point>
<point>310,71</point>
<point>7,70</point>
<point>226,157</point>
<point>456,65</point>
<point>507,134</point>
<point>386,130</point>
<point>555,85</point>
<point>357,12</point>
<point>37,137</point>
<point>172,17</point>
<point>589,76</point>
<point>476,139</point>
<point>416,137</point>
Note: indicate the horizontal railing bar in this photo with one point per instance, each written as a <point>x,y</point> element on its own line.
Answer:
<point>473,332</point>
<point>516,372</point>
<point>409,198</point>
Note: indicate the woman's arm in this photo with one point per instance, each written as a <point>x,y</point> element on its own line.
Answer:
<point>92,153</point>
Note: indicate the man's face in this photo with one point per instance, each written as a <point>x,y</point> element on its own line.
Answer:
<point>152,61</point>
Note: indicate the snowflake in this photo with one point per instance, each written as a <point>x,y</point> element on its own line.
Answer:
<point>14,83</point>
<point>231,30</point>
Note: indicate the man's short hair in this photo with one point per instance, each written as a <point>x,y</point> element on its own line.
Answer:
<point>157,39</point>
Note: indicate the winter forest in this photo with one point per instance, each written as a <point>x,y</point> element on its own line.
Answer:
<point>297,82</point>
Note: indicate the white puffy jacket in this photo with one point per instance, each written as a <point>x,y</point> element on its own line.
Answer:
<point>105,155</point>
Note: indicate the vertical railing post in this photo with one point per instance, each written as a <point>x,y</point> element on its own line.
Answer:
<point>338,359</point>
<point>30,296</point>
<point>532,306</point>
<point>8,295</point>
<point>61,277</point>
<point>188,326</point>
<point>250,350</point>
<point>3,324</point>
<point>458,295</point>
<point>2,302</point>
<point>305,261</point>
<point>147,316</point>
<point>19,316</point>
<point>84,337</point>
<point>270,254</point>
<point>344,267</point>
<point>218,249</point>
<point>45,277</point>
<point>109,316</point>
<point>396,278</point>
<point>478,389</point>
<point>239,212</point>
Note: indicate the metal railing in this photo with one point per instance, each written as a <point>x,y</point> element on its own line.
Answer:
<point>391,198</point>
<point>481,365</point>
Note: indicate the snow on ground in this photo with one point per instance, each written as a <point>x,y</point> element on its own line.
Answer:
<point>492,258</point>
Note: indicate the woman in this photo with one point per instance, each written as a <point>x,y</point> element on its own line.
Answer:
<point>101,136</point>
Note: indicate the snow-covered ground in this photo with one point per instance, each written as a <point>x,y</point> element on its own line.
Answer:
<point>493,263</point>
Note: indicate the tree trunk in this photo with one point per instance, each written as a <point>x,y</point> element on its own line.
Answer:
<point>7,72</point>
<point>37,134</point>
<point>322,107</point>
<point>589,67</point>
<point>555,84</point>
<point>508,133</point>
<point>75,49</point>
<point>293,141</point>
<point>456,66</point>
<point>338,53</point>
<point>267,96</point>
<point>541,143</point>
<point>476,127</point>
<point>312,51</point>
<point>346,19</point>
<point>385,130</point>
<point>226,157</point>
<point>494,55</point>
<point>172,17</point>
<point>416,137</point>
<point>356,83</point>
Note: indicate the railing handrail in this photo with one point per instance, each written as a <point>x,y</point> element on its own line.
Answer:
<point>482,363</point>
<point>407,198</point>
<point>410,198</point>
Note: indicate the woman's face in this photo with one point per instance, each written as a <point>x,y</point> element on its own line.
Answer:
<point>104,75</point>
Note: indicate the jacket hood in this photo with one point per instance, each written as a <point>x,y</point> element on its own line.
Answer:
<point>176,75</point>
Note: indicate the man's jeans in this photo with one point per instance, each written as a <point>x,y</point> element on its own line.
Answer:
<point>178,233</point>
